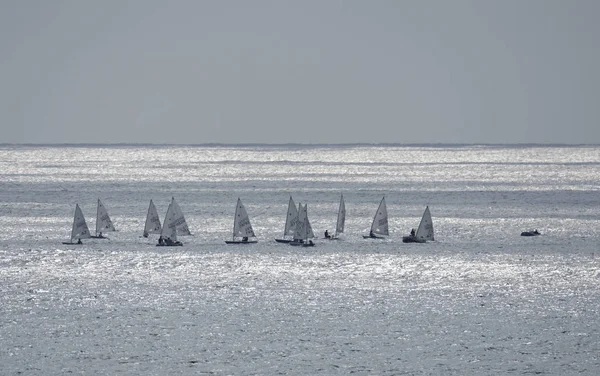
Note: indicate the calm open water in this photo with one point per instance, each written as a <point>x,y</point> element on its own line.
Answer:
<point>481,300</point>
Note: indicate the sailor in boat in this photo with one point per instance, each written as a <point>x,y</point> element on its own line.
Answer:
<point>310,242</point>
<point>371,234</point>
<point>79,241</point>
<point>412,232</point>
<point>100,234</point>
<point>245,239</point>
<point>160,240</point>
<point>327,236</point>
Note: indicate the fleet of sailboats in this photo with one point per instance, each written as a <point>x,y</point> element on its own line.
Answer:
<point>241,226</point>
<point>297,231</point>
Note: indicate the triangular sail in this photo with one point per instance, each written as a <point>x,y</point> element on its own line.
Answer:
<point>103,222</point>
<point>169,229</point>
<point>341,218</point>
<point>152,221</point>
<point>291,218</point>
<point>179,219</point>
<point>380,221</point>
<point>241,222</point>
<point>80,229</point>
<point>308,231</point>
<point>300,224</point>
<point>425,230</point>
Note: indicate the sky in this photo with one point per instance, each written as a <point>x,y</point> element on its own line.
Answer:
<point>303,71</point>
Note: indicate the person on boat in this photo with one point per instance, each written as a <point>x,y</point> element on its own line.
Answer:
<point>371,234</point>
<point>412,232</point>
<point>79,241</point>
<point>160,240</point>
<point>100,234</point>
<point>169,241</point>
<point>311,242</point>
<point>327,236</point>
<point>536,232</point>
<point>245,239</point>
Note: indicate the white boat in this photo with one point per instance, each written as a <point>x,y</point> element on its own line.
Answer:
<point>103,222</point>
<point>241,226</point>
<point>291,220</point>
<point>80,229</point>
<point>341,220</point>
<point>303,229</point>
<point>424,231</point>
<point>179,219</point>
<point>152,221</point>
<point>168,234</point>
<point>380,222</point>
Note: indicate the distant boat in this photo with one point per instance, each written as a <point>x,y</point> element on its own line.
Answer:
<point>80,229</point>
<point>168,234</point>
<point>103,222</point>
<point>291,220</point>
<point>241,226</point>
<point>380,222</point>
<point>424,232</point>
<point>152,221</point>
<point>341,220</point>
<point>531,233</point>
<point>303,229</point>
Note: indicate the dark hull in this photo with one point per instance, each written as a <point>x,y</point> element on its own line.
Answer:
<point>98,237</point>
<point>530,233</point>
<point>170,245</point>
<point>241,242</point>
<point>72,243</point>
<point>283,240</point>
<point>372,237</point>
<point>299,244</point>
<point>412,239</point>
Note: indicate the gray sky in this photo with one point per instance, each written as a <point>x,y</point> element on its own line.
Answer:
<point>310,71</point>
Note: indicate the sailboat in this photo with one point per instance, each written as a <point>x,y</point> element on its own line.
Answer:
<point>424,232</point>
<point>241,226</point>
<point>168,234</point>
<point>152,221</point>
<point>179,219</point>
<point>291,220</point>
<point>303,229</point>
<point>80,229</point>
<point>341,220</point>
<point>380,222</point>
<point>103,222</point>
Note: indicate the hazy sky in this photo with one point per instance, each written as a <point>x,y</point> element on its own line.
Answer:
<point>309,71</point>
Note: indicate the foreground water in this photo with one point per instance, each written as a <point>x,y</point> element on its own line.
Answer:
<point>480,300</point>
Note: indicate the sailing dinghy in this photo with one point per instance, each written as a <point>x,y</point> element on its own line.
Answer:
<point>303,229</point>
<point>103,222</point>
<point>380,222</point>
<point>341,220</point>
<point>424,231</point>
<point>241,226</point>
<point>80,229</point>
<point>152,221</point>
<point>168,234</point>
<point>291,220</point>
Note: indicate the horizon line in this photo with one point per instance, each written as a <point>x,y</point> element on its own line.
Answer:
<point>295,144</point>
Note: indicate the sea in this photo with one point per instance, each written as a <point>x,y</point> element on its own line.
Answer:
<point>479,300</point>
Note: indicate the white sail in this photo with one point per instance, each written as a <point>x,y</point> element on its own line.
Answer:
<point>300,223</point>
<point>152,221</point>
<point>103,222</point>
<point>80,229</point>
<point>291,218</point>
<point>341,218</point>
<point>308,231</point>
<point>380,221</point>
<point>169,229</point>
<point>179,219</point>
<point>241,222</point>
<point>425,230</point>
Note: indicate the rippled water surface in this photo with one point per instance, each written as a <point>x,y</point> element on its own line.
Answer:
<point>480,300</point>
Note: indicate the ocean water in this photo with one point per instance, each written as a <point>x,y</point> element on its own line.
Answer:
<point>480,300</point>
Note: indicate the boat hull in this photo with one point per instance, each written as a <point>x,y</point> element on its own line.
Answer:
<point>412,239</point>
<point>530,233</point>
<point>241,242</point>
<point>283,240</point>
<point>98,237</point>
<point>372,237</point>
<point>72,243</point>
<point>177,244</point>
